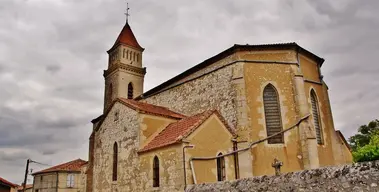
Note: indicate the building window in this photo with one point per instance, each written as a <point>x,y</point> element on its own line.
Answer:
<point>137,57</point>
<point>272,114</point>
<point>220,168</point>
<point>41,178</point>
<point>130,91</point>
<point>115,161</point>
<point>156,172</point>
<point>70,180</point>
<point>316,118</point>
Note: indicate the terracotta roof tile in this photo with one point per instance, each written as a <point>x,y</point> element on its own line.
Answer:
<point>69,166</point>
<point>174,132</point>
<point>2,180</point>
<point>152,109</point>
<point>126,37</point>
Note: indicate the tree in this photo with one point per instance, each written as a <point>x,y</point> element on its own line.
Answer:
<point>364,134</point>
<point>365,144</point>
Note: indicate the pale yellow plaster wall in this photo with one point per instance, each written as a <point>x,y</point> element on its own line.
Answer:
<point>151,125</point>
<point>309,68</point>
<point>209,140</point>
<point>257,76</point>
<point>311,72</point>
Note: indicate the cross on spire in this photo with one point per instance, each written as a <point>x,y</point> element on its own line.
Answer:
<point>127,12</point>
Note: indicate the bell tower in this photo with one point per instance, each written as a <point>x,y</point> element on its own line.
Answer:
<point>125,74</point>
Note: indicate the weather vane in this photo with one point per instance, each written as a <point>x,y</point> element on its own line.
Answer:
<point>127,12</point>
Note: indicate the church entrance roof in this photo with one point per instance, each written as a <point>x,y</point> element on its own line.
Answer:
<point>175,132</point>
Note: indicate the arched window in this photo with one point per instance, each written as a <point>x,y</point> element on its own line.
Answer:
<point>272,114</point>
<point>130,91</point>
<point>316,118</point>
<point>115,161</point>
<point>130,55</point>
<point>220,168</point>
<point>137,57</point>
<point>156,172</point>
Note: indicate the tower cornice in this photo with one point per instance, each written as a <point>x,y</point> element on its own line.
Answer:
<point>141,71</point>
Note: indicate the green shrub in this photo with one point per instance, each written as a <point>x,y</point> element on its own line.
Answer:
<point>369,152</point>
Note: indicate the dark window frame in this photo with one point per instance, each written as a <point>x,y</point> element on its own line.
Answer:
<point>221,174</point>
<point>272,112</point>
<point>156,172</point>
<point>316,118</point>
<point>115,161</point>
<point>130,90</point>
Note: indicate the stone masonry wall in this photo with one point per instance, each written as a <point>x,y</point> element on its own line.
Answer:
<point>212,91</point>
<point>356,177</point>
<point>124,131</point>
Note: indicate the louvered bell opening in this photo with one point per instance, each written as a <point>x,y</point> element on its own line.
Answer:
<point>272,114</point>
<point>316,119</point>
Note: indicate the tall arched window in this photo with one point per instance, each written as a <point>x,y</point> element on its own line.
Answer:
<point>130,91</point>
<point>272,114</point>
<point>316,118</point>
<point>156,172</point>
<point>115,161</point>
<point>220,168</point>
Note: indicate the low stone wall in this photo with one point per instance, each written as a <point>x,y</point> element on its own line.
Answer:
<point>357,177</point>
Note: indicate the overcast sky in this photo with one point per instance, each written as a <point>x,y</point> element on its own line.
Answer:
<point>52,53</point>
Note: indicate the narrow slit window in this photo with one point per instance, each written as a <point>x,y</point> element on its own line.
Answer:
<point>220,168</point>
<point>156,172</point>
<point>272,114</point>
<point>130,91</point>
<point>115,161</point>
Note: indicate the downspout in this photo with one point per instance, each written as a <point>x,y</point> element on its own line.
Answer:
<point>236,161</point>
<point>184,165</point>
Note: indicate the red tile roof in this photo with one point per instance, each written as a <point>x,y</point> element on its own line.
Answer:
<point>151,109</point>
<point>10,184</point>
<point>27,186</point>
<point>74,165</point>
<point>175,132</point>
<point>126,37</point>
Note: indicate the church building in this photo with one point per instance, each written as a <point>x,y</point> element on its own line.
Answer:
<point>225,118</point>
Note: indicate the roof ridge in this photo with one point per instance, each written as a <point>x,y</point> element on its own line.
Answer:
<point>134,104</point>
<point>56,167</point>
<point>204,116</point>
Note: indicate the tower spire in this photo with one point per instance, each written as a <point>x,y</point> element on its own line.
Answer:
<point>127,12</point>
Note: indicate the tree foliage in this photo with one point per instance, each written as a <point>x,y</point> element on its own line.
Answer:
<point>365,144</point>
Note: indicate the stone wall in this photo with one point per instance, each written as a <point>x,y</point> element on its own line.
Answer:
<point>356,177</point>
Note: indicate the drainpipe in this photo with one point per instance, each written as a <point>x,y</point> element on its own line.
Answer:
<point>236,163</point>
<point>184,165</point>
